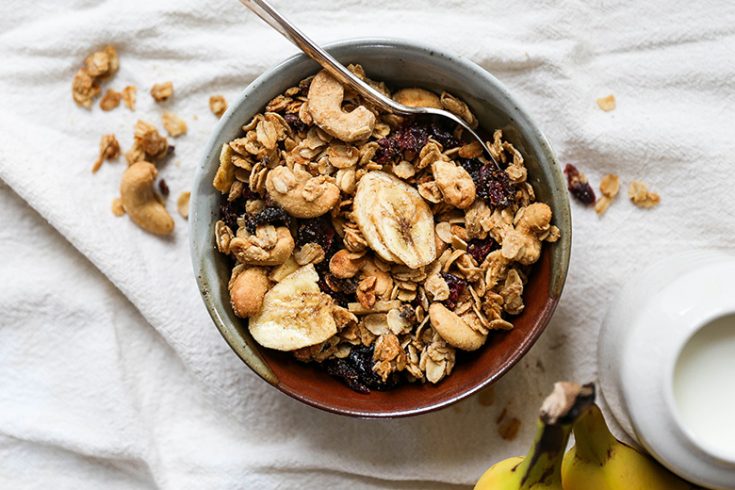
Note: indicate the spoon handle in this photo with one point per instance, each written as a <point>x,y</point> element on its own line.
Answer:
<point>274,19</point>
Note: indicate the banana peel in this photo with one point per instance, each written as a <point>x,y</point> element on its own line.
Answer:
<point>598,461</point>
<point>541,468</point>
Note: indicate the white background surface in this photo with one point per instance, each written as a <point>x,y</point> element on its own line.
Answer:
<point>111,373</point>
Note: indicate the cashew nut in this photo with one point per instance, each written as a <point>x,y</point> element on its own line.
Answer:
<point>247,290</point>
<point>417,97</point>
<point>300,194</point>
<point>455,183</point>
<point>140,201</point>
<point>325,106</point>
<point>345,264</point>
<point>453,329</point>
<point>522,243</point>
<point>250,250</point>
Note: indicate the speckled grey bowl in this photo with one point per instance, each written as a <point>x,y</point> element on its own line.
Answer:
<point>398,63</point>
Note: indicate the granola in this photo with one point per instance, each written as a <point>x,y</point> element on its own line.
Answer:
<point>607,103</point>
<point>110,100</point>
<point>97,66</point>
<point>129,96</point>
<point>640,195</point>
<point>399,236</point>
<point>174,125</point>
<point>218,105</point>
<point>161,92</point>
<point>109,149</point>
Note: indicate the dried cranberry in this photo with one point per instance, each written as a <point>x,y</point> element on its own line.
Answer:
<point>441,133</point>
<point>268,216</point>
<point>412,136</point>
<point>479,249</point>
<point>578,185</point>
<point>295,122</point>
<point>494,186</point>
<point>229,211</point>
<point>387,150</point>
<point>456,288</point>
<point>356,370</point>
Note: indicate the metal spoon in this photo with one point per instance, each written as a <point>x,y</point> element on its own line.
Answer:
<point>266,12</point>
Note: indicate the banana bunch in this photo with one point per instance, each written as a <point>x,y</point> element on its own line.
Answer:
<point>541,468</point>
<point>598,461</point>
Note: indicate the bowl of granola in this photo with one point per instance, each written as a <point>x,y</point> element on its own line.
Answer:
<point>375,265</point>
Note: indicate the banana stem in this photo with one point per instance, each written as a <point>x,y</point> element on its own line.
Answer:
<point>542,465</point>
<point>593,439</point>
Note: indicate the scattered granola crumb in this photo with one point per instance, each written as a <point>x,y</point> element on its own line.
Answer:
<point>640,195</point>
<point>578,185</point>
<point>163,187</point>
<point>218,105</point>
<point>182,204</point>
<point>85,86</point>
<point>161,92</point>
<point>117,207</point>
<point>109,150</point>
<point>128,96</point>
<point>175,126</point>
<point>148,144</point>
<point>508,430</point>
<point>607,104</point>
<point>110,100</point>
<point>609,187</point>
<point>487,397</point>
<point>102,63</point>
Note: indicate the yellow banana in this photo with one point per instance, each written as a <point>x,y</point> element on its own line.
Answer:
<point>541,468</point>
<point>598,461</point>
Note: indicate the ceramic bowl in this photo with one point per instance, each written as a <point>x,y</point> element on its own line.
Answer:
<point>398,63</point>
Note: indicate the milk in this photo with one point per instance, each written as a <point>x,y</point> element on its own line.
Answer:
<point>704,386</point>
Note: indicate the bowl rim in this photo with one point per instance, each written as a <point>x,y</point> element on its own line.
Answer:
<point>252,358</point>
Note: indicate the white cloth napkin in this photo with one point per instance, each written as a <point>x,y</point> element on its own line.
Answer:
<point>89,393</point>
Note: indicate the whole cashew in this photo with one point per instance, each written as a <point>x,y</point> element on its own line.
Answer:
<point>247,290</point>
<point>140,201</point>
<point>325,106</point>
<point>417,97</point>
<point>453,329</point>
<point>300,194</point>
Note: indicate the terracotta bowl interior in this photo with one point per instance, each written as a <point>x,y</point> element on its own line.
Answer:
<point>398,63</point>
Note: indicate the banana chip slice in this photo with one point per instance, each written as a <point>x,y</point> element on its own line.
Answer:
<point>295,313</point>
<point>395,220</point>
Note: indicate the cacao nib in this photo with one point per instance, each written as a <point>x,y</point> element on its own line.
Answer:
<point>356,370</point>
<point>579,186</point>
<point>479,249</point>
<point>494,187</point>
<point>456,288</point>
<point>268,216</point>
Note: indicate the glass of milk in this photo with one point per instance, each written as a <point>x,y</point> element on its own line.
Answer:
<point>666,358</point>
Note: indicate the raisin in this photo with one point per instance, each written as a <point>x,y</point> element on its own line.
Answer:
<point>456,288</point>
<point>268,216</point>
<point>441,133</point>
<point>479,249</point>
<point>320,231</point>
<point>579,186</point>
<point>341,290</point>
<point>295,123</point>
<point>494,187</point>
<point>356,370</point>
<point>163,187</point>
<point>230,211</point>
